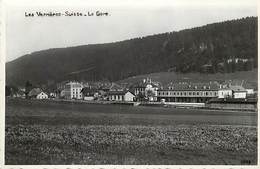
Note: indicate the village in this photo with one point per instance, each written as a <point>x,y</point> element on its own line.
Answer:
<point>235,95</point>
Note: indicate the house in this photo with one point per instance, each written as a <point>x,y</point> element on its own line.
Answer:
<point>42,95</point>
<point>189,92</point>
<point>62,94</point>
<point>72,90</point>
<point>106,88</point>
<point>37,93</point>
<point>250,87</point>
<point>225,93</point>
<point>238,92</point>
<point>53,94</point>
<point>18,93</point>
<point>233,90</point>
<point>115,87</point>
<point>121,96</point>
<point>146,90</point>
<point>89,93</point>
<point>129,96</point>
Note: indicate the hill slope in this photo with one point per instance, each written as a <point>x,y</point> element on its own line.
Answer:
<point>249,77</point>
<point>211,48</point>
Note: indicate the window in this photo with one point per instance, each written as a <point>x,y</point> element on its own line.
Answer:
<point>206,93</point>
<point>198,93</point>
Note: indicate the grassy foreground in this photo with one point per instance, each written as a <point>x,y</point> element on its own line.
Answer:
<point>94,144</point>
<point>56,134</point>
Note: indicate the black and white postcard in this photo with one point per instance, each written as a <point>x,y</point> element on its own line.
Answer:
<point>129,83</point>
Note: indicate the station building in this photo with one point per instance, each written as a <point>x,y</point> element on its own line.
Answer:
<point>189,92</point>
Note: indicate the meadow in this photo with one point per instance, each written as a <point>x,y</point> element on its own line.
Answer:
<point>48,132</point>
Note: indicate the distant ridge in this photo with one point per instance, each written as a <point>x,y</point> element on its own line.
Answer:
<point>228,46</point>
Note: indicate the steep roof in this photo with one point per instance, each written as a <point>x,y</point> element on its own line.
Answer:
<point>118,92</point>
<point>89,90</point>
<point>144,84</point>
<point>115,87</point>
<point>35,92</point>
<point>237,88</point>
<point>193,86</point>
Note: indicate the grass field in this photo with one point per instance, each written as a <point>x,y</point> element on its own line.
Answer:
<point>44,132</point>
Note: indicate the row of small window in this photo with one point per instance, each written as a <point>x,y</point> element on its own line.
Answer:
<point>74,96</point>
<point>188,93</point>
<point>77,89</point>
<point>117,97</point>
<point>140,89</point>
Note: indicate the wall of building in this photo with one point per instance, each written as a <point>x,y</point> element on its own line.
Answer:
<point>187,96</point>
<point>176,93</point>
<point>238,95</point>
<point>88,98</point>
<point>73,90</point>
<point>224,93</point>
<point>42,95</point>
<point>129,97</point>
<point>115,97</point>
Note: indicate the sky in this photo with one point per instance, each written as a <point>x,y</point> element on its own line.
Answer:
<point>126,19</point>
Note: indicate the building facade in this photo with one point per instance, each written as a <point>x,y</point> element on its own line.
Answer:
<point>233,91</point>
<point>42,95</point>
<point>121,96</point>
<point>72,90</point>
<point>225,93</point>
<point>37,93</point>
<point>146,89</point>
<point>90,93</point>
<point>188,92</point>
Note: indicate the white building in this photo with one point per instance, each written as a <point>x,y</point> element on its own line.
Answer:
<point>37,93</point>
<point>120,96</point>
<point>250,91</point>
<point>233,91</point>
<point>73,90</point>
<point>225,93</point>
<point>148,89</point>
<point>53,95</point>
<point>42,95</point>
<point>129,97</point>
<point>240,94</point>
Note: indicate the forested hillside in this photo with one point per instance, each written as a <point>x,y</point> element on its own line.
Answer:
<point>220,47</point>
